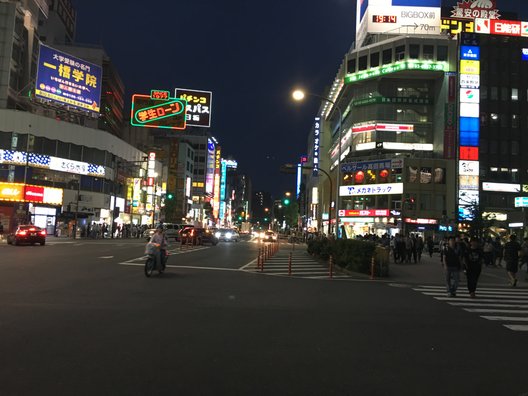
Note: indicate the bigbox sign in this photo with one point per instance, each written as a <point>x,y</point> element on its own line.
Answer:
<point>66,79</point>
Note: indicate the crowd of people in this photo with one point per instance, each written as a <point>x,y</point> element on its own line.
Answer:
<point>102,230</point>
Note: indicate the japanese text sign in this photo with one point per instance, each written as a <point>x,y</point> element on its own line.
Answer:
<point>156,113</point>
<point>199,106</point>
<point>371,189</point>
<point>66,79</point>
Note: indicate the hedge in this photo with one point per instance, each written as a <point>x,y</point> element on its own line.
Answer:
<point>352,254</point>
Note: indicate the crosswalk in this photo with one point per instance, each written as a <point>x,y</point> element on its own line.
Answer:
<point>506,306</point>
<point>139,261</point>
<point>303,265</point>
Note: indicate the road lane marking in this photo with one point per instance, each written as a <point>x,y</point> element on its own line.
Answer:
<point>520,297</point>
<point>506,318</point>
<point>186,267</point>
<point>485,310</point>
<point>106,257</point>
<point>517,327</point>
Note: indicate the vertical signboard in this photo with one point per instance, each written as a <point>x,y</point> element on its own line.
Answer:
<point>210,167</point>
<point>216,198</point>
<point>317,146</point>
<point>469,131</point>
<point>450,119</point>
<point>223,180</point>
<point>199,106</point>
<point>65,79</point>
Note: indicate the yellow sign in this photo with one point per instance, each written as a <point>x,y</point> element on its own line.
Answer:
<point>469,67</point>
<point>457,26</point>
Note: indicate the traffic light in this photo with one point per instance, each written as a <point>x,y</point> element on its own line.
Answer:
<point>239,218</point>
<point>170,196</point>
<point>286,201</point>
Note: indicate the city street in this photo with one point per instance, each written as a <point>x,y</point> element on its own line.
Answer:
<point>80,317</point>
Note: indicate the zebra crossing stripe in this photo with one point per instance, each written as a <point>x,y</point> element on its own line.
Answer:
<point>506,318</point>
<point>517,327</point>
<point>506,311</point>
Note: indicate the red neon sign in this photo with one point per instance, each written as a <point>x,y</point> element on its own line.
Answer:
<point>505,28</point>
<point>34,193</point>
<point>365,213</point>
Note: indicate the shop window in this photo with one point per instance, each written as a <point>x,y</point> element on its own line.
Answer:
<point>439,175</point>
<point>386,56</point>
<point>428,52</point>
<point>75,152</point>
<point>515,121</point>
<point>412,174</point>
<point>514,94</point>
<point>441,53</point>
<point>351,65</point>
<point>426,175</point>
<point>362,64</point>
<point>414,51</point>
<point>374,59</point>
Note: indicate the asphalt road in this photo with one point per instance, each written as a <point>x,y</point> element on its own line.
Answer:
<point>82,319</point>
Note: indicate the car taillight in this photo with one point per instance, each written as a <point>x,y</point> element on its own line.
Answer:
<point>21,233</point>
<point>43,233</point>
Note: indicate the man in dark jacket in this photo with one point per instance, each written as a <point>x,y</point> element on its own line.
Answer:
<point>452,268</point>
<point>511,257</point>
<point>473,262</point>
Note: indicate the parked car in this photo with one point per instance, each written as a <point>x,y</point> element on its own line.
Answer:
<point>28,234</point>
<point>198,236</point>
<point>227,235</point>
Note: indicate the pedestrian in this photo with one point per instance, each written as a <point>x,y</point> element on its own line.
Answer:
<point>524,255</point>
<point>452,267</point>
<point>442,246</point>
<point>408,248</point>
<point>430,246</point>
<point>511,257</point>
<point>473,265</point>
<point>419,246</point>
<point>1,231</point>
<point>498,252</point>
<point>488,252</point>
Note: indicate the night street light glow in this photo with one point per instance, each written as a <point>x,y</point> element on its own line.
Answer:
<point>298,95</point>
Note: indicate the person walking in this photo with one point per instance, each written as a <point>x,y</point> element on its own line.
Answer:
<point>511,257</point>
<point>524,255</point>
<point>452,267</point>
<point>473,265</point>
<point>1,231</point>
<point>498,251</point>
<point>430,246</point>
<point>419,246</point>
<point>488,252</point>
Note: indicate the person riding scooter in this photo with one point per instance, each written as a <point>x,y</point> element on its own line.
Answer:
<point>159,240</point>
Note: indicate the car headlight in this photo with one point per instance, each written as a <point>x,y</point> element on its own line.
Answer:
<point>262,235</point>
<point>229,235</point>
<point>217,235</point>
<point>274,236</point>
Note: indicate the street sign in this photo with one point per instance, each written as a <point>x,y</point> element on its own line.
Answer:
<point>521,202</point>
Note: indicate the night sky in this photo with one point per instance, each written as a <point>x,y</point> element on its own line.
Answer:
<point>250,54</point>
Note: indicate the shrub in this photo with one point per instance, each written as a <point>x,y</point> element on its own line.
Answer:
<point>352,254</point>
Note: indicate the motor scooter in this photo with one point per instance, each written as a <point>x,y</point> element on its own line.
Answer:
<point>150,263</point>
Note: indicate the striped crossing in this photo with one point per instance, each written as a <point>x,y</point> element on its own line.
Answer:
<point>508,307</point>
<point>303,265</point>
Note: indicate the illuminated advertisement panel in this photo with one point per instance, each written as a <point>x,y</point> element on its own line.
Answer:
<point>210,167</point>
<point>223,180</point>
<point>501,187</point>
<point>69,80</point>
<point>317,146</point>
<point>199,106</point>
<point>17,192</point>
<point>155,113</point>
<point>365,213</point>
<point>371,189</point>
<point>216,198</point>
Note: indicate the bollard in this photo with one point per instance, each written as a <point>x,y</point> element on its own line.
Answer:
<point>290,265</point>
<point>258,258</point>
<point>263,260</point>
<point>331,267</point>
<point>372,265</point>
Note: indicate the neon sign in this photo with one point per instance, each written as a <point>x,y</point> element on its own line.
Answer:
<point>157,113</point>
<point>159,95</point>
<point>394,68</point>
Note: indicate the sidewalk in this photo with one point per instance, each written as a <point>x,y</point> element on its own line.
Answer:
<point>431,272</point>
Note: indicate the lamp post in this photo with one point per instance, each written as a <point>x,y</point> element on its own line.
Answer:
<point>299,95</point>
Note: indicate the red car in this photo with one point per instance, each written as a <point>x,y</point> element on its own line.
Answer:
<point>28,234</point>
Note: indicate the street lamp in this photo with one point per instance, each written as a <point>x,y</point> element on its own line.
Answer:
<point>299,95</point>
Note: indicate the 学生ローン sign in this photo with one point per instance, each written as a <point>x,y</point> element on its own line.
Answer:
<point>157,113</point>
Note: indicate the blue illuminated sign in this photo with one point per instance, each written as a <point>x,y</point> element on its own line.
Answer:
<point>445,228</point>
<point>525,54</point>
<point>223,179</point>
<point>66,79</point>
<point>470,52</point>
<point>470,139</point>
<point>469,124</point>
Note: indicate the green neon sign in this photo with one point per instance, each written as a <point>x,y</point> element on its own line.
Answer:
<point>156,113</point>
<point>394,68</point>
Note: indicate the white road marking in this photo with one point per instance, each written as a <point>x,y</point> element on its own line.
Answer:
<point>484,310</point>
<point>186,267</point>
<point>463,304</point>
<point>506,318</point>
<point>517,327</point>
<point>106,257</point>
<point>521,297</point>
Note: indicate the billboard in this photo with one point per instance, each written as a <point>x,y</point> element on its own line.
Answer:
<point>150,112</point>
<point>199,105</point>
<point>66,79</point>
<point>403,16</point>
